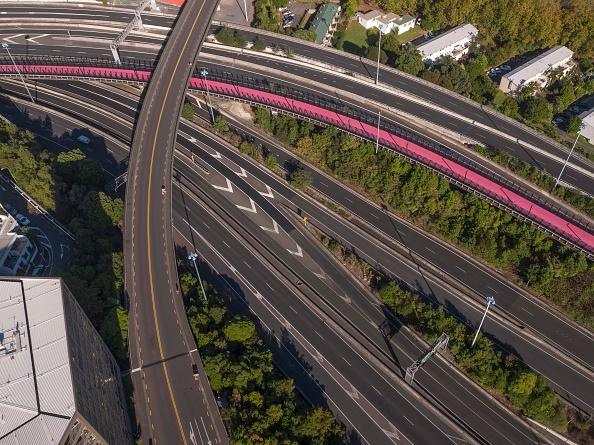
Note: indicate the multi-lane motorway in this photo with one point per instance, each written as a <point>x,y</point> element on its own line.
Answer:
<point>342,371</point>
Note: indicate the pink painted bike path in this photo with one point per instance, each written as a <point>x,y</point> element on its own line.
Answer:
<point>502,194</point>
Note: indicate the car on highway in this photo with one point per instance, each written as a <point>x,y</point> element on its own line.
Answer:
<point>22,219</point>
<point>83,139</point>
<point>195,371</point>
<point>163,191</point>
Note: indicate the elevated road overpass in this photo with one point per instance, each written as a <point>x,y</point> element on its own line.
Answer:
<point>174,407</point>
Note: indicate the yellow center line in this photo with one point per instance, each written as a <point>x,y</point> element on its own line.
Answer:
<point>148,224</point>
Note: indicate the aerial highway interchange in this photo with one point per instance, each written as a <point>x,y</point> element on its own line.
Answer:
<point>558,349</point>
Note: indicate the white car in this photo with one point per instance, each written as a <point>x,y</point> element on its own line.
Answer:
<point>22,219</point>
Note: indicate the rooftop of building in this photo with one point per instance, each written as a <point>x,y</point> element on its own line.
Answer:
<point>538,65</point>
<point>447,39</point>
<point>323,19</point>
<point>36,391</point>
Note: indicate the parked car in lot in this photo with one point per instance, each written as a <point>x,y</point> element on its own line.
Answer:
<point>37,271</point>
<point>557,121</point>
<point>10,209</point>
<point>83,139</point>
<point>505,68</point>
<point>22,219</point>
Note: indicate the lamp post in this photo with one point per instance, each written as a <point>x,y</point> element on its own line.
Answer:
<point>379,51</point>
<point>204,72</point>
<point>582,127</point>
<point>490,301</point>
<point>5,46</point>
<point>245,7</point>
<point>379,115</point>
<point>194,257</point>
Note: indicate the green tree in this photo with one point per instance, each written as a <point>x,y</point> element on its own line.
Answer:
<point>371,54</point>
<point>431,76</point>
<point>300,179</point>
<point>509,107</point>
<point>349,8</point>
<point>271,162</point>
<point>305,34</point>
<point>574,124</point>
<point>537,109</point>
<point>409,59</point>
<point>75,165</point>
<point>259,44</point>
<point>240,330</point>
<point>456,74</point>
<point>226,36</point>
<point>319,426</point>
<point>187,111</point>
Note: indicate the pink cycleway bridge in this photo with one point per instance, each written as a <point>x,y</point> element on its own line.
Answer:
<point>531,210</point>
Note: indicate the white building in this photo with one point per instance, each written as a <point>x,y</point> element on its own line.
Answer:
<point>537,70</point>
<point>588,120</point>
<point>386,22</point>
<point>16,251</point>
<point>59,384</point>
<point>454,42</point>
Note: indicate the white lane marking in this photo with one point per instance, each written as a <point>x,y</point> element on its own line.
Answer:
<point>458,267</point>
<point>376,390</point>
<point>243,173</point>
<point>268,193</point>
<point>319,335</point>
<point>251,209</point>
<point>525,310</point>
<point>206,225</point>
<point>247,265</point>
<point>293,309</point>
<point>374,215</point>
<point>226,244</point>
<point>229,187</point>
<point>348,199</point>
<point>429,250</point>
<point>299,252</point>
<point>269,286</point>
<point>321,183</point>
<point>273,230</point>
<point>492,289</point>
<point>346,361</point>
<point>408,420</point>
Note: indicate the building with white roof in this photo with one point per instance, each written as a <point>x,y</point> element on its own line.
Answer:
<point>588,120</point>
<point>537,70</point>
<point>386,22</point>
<point>454,42</point>
<point>16,251</point>
<point>59,384</point>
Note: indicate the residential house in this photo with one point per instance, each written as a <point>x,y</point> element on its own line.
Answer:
<point>537,70</point>
<point>386,22</point>
<point>454,42</point>
<point>324,22</point>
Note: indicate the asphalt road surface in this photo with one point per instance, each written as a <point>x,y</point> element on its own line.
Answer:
<point>175,408</point>
<point>437,383</point>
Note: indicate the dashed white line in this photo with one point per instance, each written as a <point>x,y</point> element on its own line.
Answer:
<point>527,311</point>
<point>247,265</point>
<point>492,289</point>
<point>375,216</point>
<point>408,420</point>
<point>457,267</point>
<point>376,390</point>
<point>226,244</point>
<point>429,250</point>
<point>346,361</point>
<point>320,335</point>
<point>206,225</point>
<point>269,286</point>
<point>348,199</point>
<point>293,309</point>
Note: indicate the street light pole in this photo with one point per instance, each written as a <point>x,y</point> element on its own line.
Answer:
<point>379,115</point>
<point>245,7</point>
<point>194,257</point>
<point>205,73</point>
<point>379,51</point>
<point>5,46</point>
<point>582,127</point>
<point>490,301</point>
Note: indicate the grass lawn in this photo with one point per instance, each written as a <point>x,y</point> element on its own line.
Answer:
<point>409,35</point>
<point>355,38</point>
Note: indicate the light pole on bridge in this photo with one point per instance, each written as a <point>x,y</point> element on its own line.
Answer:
<point>490,301</point>
<point>582,127</point>
<point>194,257</point>
<point>5,46</point>
<point>204,72</point>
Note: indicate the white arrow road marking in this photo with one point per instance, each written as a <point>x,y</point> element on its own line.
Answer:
<point>229,187</point>
<point>243,173</point>
<point>248,209</point>
<point>192,139</point>
<point>216,155</point>
<point>394,433</point>
<point>345,298</point>
<point>299,252</point>
<point>259,295</point>
<point>321,276</point>
<point>32,39</point>
<point>268,229</point>
<point>354,393</point>
<point>8,39</point>
<point>268,193</point>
